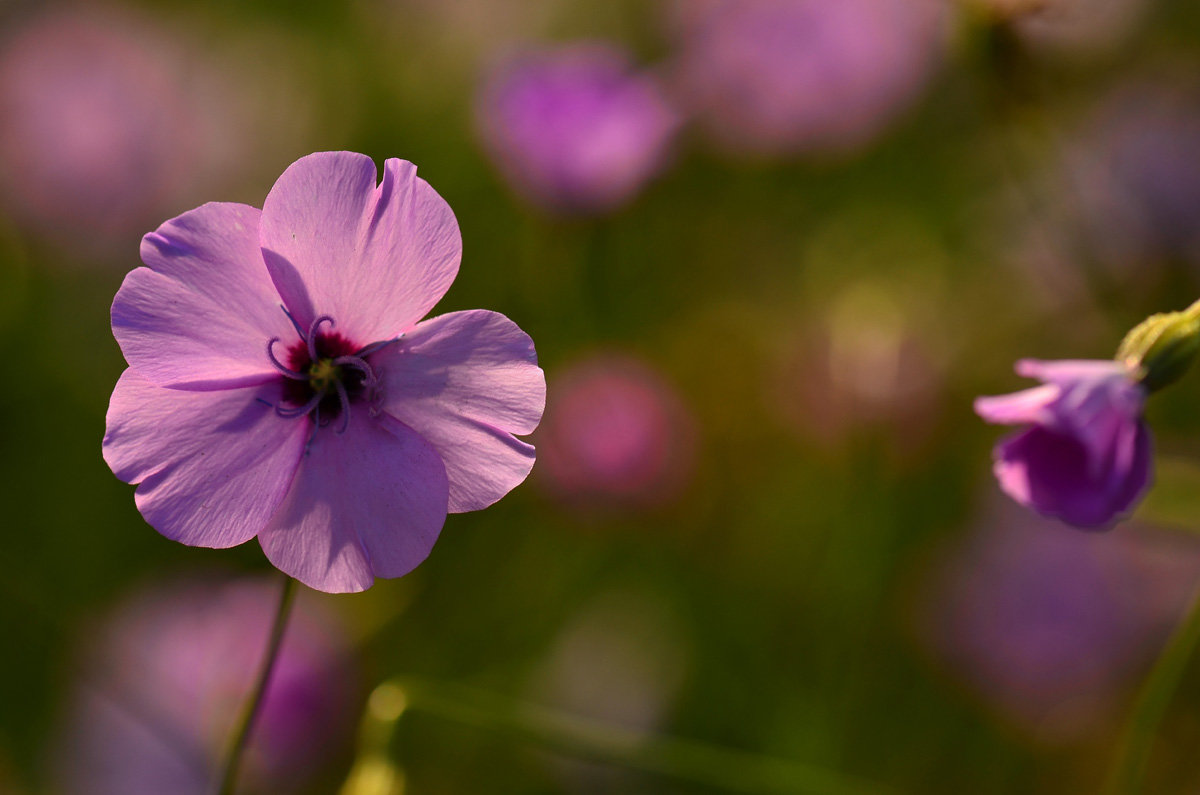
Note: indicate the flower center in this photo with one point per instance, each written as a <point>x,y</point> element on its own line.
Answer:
<point>325,375</point>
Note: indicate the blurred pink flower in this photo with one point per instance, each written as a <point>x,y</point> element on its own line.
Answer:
<point>1084,454</point>
<point>777,77</point>
<point>1048,626</point>
<point>575,129</point>
<point>616,434</point>
<point>166,675</point>
<point>99,124</point>
<point>1134,175</point>
<point>282,384</point>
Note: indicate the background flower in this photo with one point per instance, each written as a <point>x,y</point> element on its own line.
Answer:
<point>163,681</point>
<point>616,434</point>
<point>783,76</point>
<point>111,118</point>
<point>1049,628</point>
<point>576,128</point>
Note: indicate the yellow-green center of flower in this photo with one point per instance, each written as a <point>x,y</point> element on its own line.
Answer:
<point>323,374</point>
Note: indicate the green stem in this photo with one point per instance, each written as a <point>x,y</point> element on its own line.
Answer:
<point>1129,766</point>
<point>714,766</point>
<point>245,724</point>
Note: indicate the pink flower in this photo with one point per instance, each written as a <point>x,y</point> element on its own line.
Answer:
<point>576,129</point>
<point>166,675</point>
<point>618,435</point>
<point>777,77</point>
<point>1085,456</point>
<point>89,103</point>
<point>281,384</point>
<point>1050,628</point>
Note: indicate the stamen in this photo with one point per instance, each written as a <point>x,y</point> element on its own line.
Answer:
<point>297,411</point>
<point>312,335</point>
<point>280,366</point>
<point>358,364</point>
<point>295,325</point>
<point>375,346</point>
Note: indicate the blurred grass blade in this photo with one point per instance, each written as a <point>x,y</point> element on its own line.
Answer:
<point>1133,756</point>
<point>714,766</point>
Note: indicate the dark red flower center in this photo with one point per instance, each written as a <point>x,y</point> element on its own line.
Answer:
<point>325,374</point>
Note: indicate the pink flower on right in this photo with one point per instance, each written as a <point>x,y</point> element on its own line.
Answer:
<point>1084,455</point>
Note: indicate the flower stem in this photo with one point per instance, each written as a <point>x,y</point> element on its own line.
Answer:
<point>713,766</point>
<point>245,724</point>
<point>1129,765</point>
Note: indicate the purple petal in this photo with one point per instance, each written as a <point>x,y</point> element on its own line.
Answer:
<point>1052,473</point>
<point>212,467</point>
<point>366,503</point>
<point>375,258</point>
<point>199,316</point>
<point>1135,461</point>
<point>1070,370</point>
<point>467,381</point>
<point>1020,408</point>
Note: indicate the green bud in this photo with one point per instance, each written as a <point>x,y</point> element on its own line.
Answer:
<point>1162,347</point>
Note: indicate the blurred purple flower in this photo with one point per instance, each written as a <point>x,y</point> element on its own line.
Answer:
<point>1085,457</point>
<point>575,129</point>
<point>1049,626</point>
<point>281,386</point>
<point>616,434</point>
<point>782,76</point>
<point>167,675</point>
<point>1136,177</point>
<point>96,125</point>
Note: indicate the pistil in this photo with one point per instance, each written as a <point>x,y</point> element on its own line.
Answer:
<point>325,373</point>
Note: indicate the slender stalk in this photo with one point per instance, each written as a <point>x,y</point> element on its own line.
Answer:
<point>686,760</point>
<point>1129,765</point>
<point>245,724</point>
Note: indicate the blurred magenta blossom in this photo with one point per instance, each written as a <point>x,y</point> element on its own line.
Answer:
<point>778,77</point>
<point>616,434</point>
<point>164,680</point>
<point>103,121</point>
<point>1084,455</point>
<point>576,128</point>
<point>1049,626</point>
<point>1135,176</point>
<point>281,385</point>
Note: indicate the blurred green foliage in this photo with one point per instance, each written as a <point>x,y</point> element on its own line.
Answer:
<point>788,570</point>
